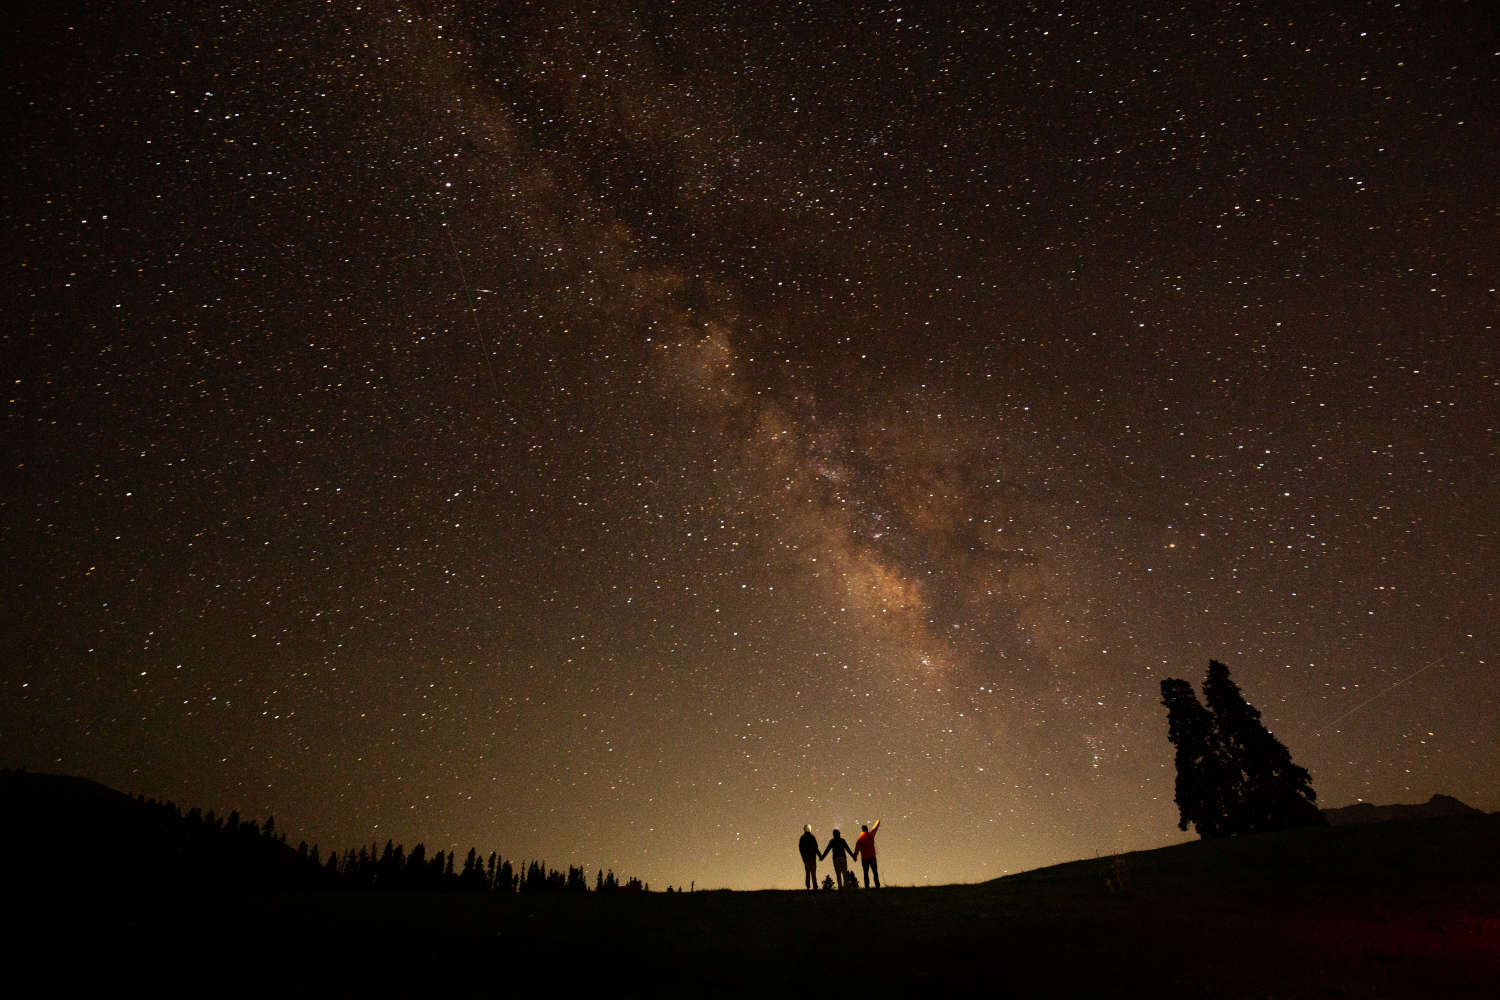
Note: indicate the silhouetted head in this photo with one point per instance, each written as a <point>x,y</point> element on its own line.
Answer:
<point>865,827</point>
<point>807,828</point>
<point>835,831</point>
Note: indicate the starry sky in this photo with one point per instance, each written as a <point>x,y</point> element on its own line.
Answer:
<point>620,435</point>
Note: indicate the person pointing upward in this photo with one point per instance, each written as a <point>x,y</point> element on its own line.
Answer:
<point>864,849</point>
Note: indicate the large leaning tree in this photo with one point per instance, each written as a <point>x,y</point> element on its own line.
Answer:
<point>1233,776</point>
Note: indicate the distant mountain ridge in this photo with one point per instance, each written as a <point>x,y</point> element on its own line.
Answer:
<point>1437,807</point>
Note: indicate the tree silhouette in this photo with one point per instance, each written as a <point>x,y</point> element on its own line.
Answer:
<point>1233,776</point>
<point>1274,793</point>
<point>472,876</point>
<point>416,867</point>
<point>1206,782</point>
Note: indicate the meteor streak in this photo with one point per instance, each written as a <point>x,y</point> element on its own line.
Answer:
<point>1384,691</point>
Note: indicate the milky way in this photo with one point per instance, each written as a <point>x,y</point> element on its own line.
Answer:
<point>623,436</point>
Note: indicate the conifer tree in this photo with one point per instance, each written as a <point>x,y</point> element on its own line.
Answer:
<point>1274,793</point>
<point>471,879</point>
<point>1206,782</point>
<point>416,866</point>
<point>1233,776</point>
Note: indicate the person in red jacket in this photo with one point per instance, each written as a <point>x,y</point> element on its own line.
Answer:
<point>864,849</point>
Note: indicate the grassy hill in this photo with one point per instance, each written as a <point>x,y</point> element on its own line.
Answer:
<point>1382,909</point>
<point>1396,909</point>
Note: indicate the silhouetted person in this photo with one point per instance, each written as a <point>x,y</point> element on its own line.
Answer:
<point>807,846</point>
<point>841,851</point>
<point>864,848</point>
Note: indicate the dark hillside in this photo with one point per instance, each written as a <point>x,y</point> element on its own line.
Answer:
<point>64,832</point>
<point>1179,926</point>
<point>54,790</point>
<point>1406,857</point>
<point>1389,909</point>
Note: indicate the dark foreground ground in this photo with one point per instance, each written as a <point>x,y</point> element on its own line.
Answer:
<point>1386,909</point>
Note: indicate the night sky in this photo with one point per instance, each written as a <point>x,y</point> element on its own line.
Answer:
<point>621,436</point>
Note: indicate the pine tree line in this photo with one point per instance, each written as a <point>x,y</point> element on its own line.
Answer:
<point>394,868</point>
<point>153,844</point>
<point>1233,776</point>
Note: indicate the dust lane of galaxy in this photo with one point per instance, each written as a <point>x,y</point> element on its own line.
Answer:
<point>621,436</point>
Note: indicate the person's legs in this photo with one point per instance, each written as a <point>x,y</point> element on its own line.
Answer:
<point>811,876</point>
<point>865,863</point>
<point>875,870</point>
